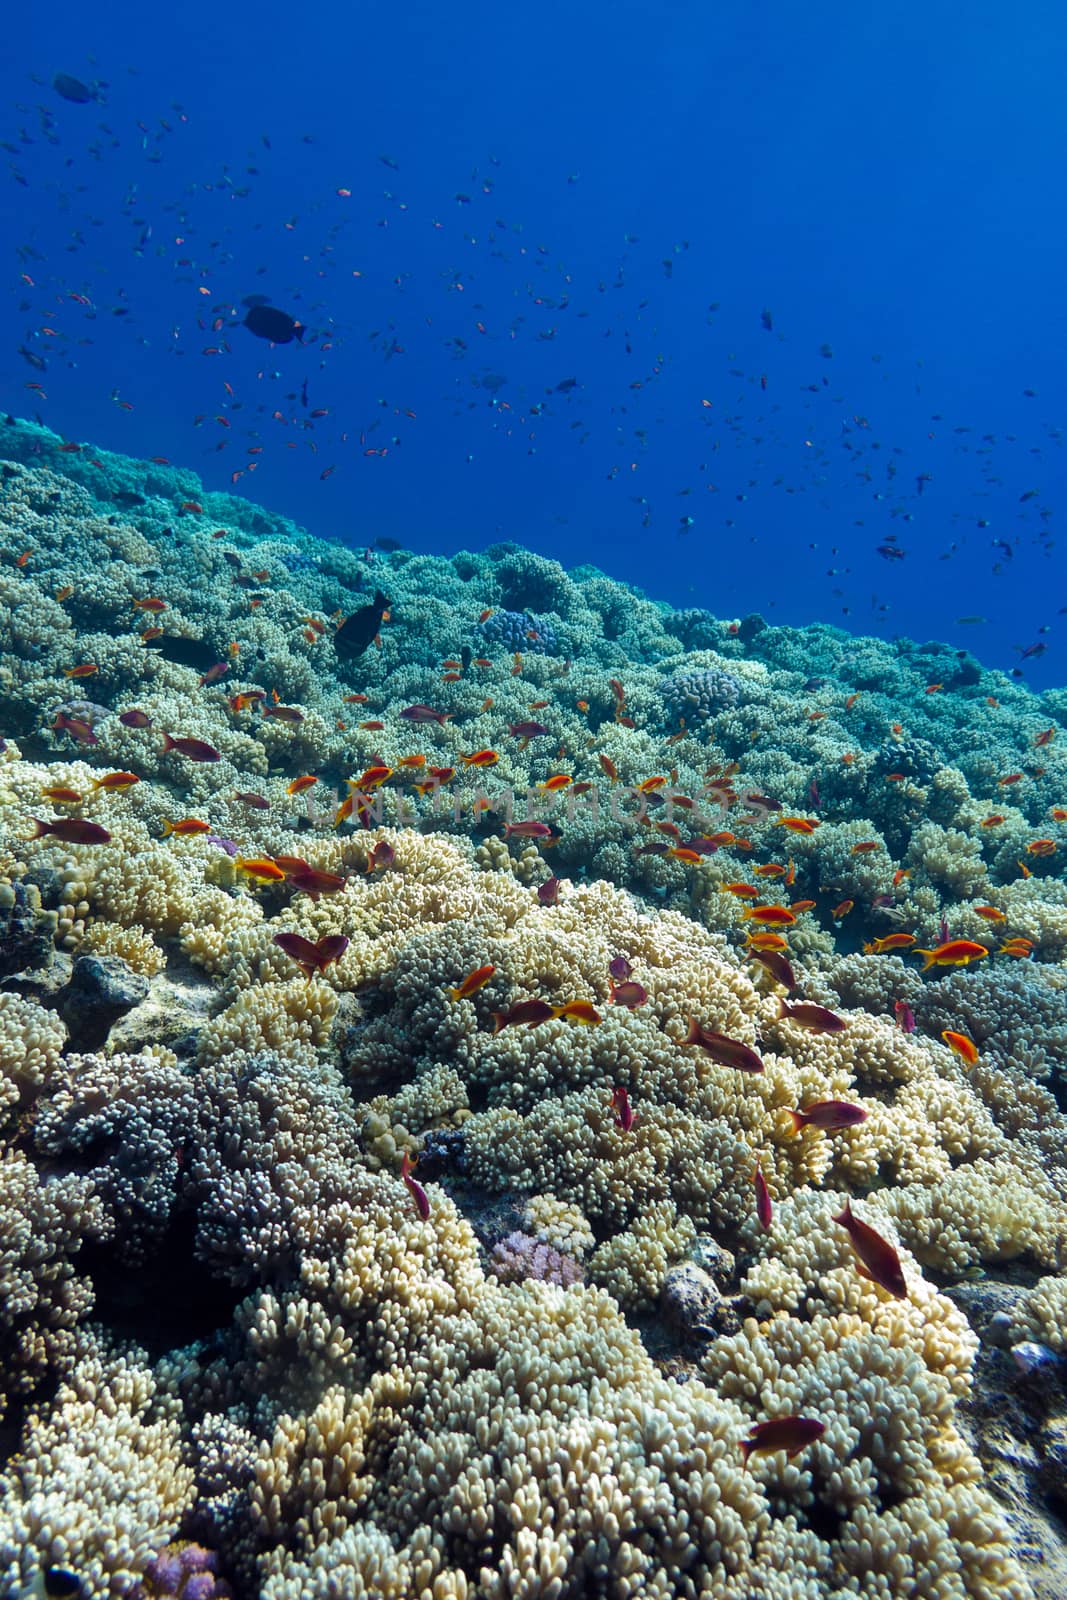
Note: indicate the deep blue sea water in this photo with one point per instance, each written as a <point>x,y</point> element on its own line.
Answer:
<point>794,273</point>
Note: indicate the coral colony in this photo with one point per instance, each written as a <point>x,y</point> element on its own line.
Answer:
<point>513,1097</point>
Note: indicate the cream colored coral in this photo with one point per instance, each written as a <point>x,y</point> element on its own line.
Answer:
<point>559,1223</point>
<point>98,1483</point>
<point>135,946</point>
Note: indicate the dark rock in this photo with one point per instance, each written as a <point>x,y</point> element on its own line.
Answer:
<point>27,931</point>
<point>101,990</point>
<point>750,626</point>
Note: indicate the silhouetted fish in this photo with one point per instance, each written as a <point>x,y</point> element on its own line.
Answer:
<point>357,631</point>
<point>267,322</point>
<point>73,89</point>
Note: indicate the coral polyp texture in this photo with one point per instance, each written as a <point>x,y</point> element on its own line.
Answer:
<point>559,1097</point>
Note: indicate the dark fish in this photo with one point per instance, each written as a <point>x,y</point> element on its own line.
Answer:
<point>386,545</point>
<point>184,652</point>
<point>38,363</point>
<point>127,497</point>
<point>61,1584</point>
<point>73,89</point>
<point>267,322</point>
<point>70,830</point>
<point>357,631</point>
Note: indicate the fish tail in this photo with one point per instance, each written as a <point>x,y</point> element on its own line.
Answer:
<point>693,1036</point>
<point>799,1120</point>
<point>40,828</point>
<point>746,1447</point>
<point>168,743</point>
<point>457,994</point>
<point>930,956</point>
<point>168,828</point>
<point>844,1217</point>
<point>782,1012</point>
<point>499,1020</point>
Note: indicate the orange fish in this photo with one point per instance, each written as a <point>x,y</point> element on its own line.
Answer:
<point>865,846</point>
<point>851,701</point>
<point>650,785</point>
<point>889,941</point>
<point>63,796</point>
<point>608,767</point>
<point>185,828</point>
<point>899,875</point>
<point>1012,777</point>
<point>260,869</point>
<point>1019,947</point>
<point>151,604</point>
<point>766,941</point>
<point>799,906</point>
<point>691,858</point>
<point>1041,847</point>
<point>116,782</point>
<point>771,870</point>
<point>959,1043</point>
<point>86,670</point>
<point>770,916</point>
<point>743,891</point>
<point>356,699</point>
<point>1046,737</point>
<point>412,762</point>
<point>298,785</point>
<point>66,592</point>
<point>578,1011</point>
<point>990,914</point>
<point>414,1187</point>
<point>796,824</point>
<point>1059,813</point>
<point>372,727</point>
<point>486,614</point>
<point>559,780</point>
<point>472,983</point>
<point>842,910</point>
<point>992,822</point>
<point>953,953</point>
<point>481,758</point>
<point>372,778</point>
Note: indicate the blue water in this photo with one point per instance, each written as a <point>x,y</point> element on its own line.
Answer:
<point>888,187</point>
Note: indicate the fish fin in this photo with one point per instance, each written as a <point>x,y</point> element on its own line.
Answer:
<point>799,1120</point>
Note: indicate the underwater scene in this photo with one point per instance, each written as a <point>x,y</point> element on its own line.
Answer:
<point>533,805</point>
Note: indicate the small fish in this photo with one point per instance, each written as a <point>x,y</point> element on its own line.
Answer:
<point>791,1434</point>
<point>889,941</point>
<point>865,846</point>
<point>619,969</point>
<point>283,713</point>
<point>135,718</point>
<point>766,940</point>
<point>608,767</point>
<point>829,1115</point>
<point>421,713</point>
<point>726,1052</point>
<point>528,830</point>
<point>1045,737</point>
<point>776,965</point>
<point>116,782</point>
<point>990,914</point>
<point>993,821</point>
<point>357,631</point>
<point>810,1017</point>
<point>558,781</point>
<point>624,1115</point>
<point>841,910</point>
<point>743,891</point>
<point>952,953</point>
<point>526,1013</point>
<point>796,824</point>
<point>70,830</point>
<point>300,785</point>
<point>578,1011</point>
<point>764,1209</point>
<point>960,1045</point>
<point>260,869</point>
<point>481,758</point>
<point>256,801</point>
<point>383,855</point>
<point>373,778</point>
<point>548,892</point>
<point>186,829</point>
<point>313,881</point>
<point>60,795</point>
<point>472,983</point>
<point>1019,947</point>
<point>86,670</point>
<point>214,673</point>
<point>312,955</point>
<point>192,749</point>
<point>878,1261</point>
<point>152,603</point>
<point>772,870</point>
<point>1041,847</point>
<point>414,1187</point>
<point>629,993</point>
<point>527,730</point>
<point>770,916</point>
<point>905,1016</point>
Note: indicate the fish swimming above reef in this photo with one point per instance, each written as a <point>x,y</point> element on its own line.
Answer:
<point>72,89</point>
<point>357,631</point>
<point>278,327</point>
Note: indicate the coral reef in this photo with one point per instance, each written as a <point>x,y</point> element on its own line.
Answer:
<point>434,1084</point>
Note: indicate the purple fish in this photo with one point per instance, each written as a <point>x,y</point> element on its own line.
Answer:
<point>619,968</point>
<point>223,844</point>
<point>905,1016</point>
